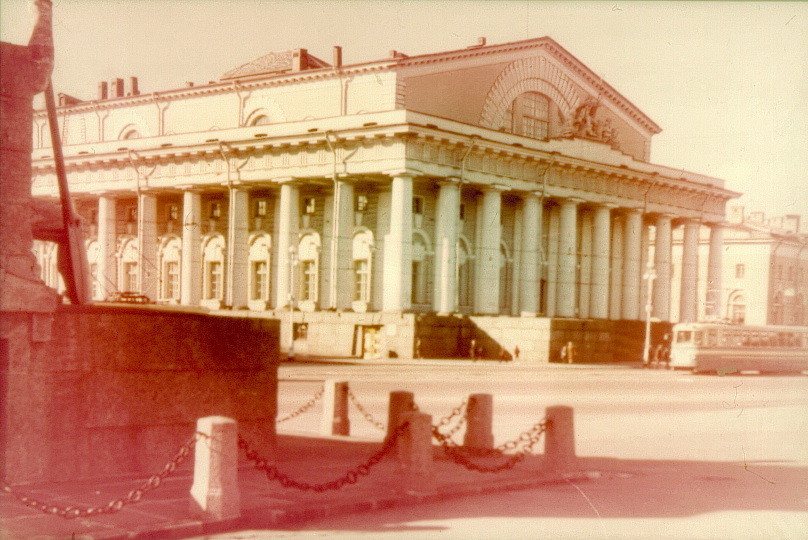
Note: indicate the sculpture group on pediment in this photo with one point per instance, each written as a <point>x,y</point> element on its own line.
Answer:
<point>584,125</point>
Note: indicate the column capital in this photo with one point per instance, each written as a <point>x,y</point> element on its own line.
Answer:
<point>448,181</point>
<point>494,187</point>
<point>606,205</point>
<point>411,173</point>
<point>570,200</point>
<point>293,180</point>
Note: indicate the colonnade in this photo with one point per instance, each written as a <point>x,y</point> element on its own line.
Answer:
<point>588,263</point>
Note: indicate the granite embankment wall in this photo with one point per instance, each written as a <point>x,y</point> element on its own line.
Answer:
<point>102,391</point>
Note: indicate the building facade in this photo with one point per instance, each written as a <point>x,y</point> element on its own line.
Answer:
<point>503,182</point>
<point>765,277</point>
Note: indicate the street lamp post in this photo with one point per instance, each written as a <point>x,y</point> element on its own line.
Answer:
<point>292,266</point>
<point>650,276</point>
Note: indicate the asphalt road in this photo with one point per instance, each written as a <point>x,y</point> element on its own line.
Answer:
<point>668,454</point>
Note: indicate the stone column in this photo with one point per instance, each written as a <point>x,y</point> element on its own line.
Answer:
<point>632,265</point>
<point>147,245</point>
<point>529,263</point>
<point>447,217</point>
<point>566,289</point>
<point>585,273</point>
<point>714,269</point>
<point>552,259</point>
<point>337,253</point>
<point>688,293</point>
<point>191,287</point>
<point>662,265</point>
<point>288,217</point>
<point>616,282</point>
<point>237,248</point>
<point>645,245</point>
<point>601,252</point>
<point>107,242</point>
<point>397,279</point>
<point>486,275</point>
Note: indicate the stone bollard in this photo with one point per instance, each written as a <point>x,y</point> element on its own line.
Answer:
<point>335,408</point>
<point>401,402</point>
<point>214,493</point>
<point>414,448</point>
<point>559,439</point>
<point>479,416</point>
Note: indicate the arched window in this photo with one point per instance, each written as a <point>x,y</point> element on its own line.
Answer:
<point>505,279</point>
<point>362,258</point>
<point>777,309</point>
<point>463,274</point>
<point>737,309</point>
<point>420,270</point>
<point>309,257</point>
<point>97,292</point>
<point>128,275</point>
<point>260,249</point>
<point>213,269</point>
<point>260,120</point>
<point>46,256</point>
<point>531,115</point>
<point>170,260</point>
<point>131,134</point>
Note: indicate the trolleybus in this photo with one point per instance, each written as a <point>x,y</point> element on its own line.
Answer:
<point>728,348</point>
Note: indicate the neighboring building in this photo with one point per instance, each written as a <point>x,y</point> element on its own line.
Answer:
<point>765,278</point>
<point>507,184</point>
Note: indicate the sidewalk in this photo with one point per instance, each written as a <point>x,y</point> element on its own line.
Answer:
<point>164,512</point>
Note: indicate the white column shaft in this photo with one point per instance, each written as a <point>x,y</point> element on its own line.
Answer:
<point>191,287</point>
<point>566,294</point>
<point>688,294</point>
<point>632,265</point>
<point>486,276</point>
<point>662,266</point>
<point>552,259</point>
<point>147,245</point>
<point>585,274</point>
<point>616,285</point>
<point>107,269</point>
<point>601,252</point>
<point>237,248</point>
<point>714,268</point>
<point>529,263</point>
<point>398,248</point>
<point>447,217</point>
<point>288,217</point>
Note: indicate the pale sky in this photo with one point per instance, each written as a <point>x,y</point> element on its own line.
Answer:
<point>726,81</point>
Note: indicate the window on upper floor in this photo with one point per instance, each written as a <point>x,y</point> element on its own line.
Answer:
<point>530,113</point>
<point>740,270</point>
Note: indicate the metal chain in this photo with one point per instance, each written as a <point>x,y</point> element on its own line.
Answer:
<point>72,512</point>
<point>525,442</point>
<point>308,405</point>
<point>351,477</point>
<point>369,417</point>
<point>458,412</point>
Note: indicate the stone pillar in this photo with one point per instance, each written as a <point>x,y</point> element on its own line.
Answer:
<point>566,288</point>
<point>616,281</point>
<point>529,264</point>
<point>415,457</point>
<point>479,418</point>
<point>601,253</point>
<point>215,493</point>
<point>334,420</point>
<point>486,274</point>
<point>585,273</point>
<point>645,245</point>
<point>237,249</point>
<point>688,293</point>
<point>147,245</point>
<point>552,259</point>
<point>632,265</point>
<point>662,265</point>
<point>191,287</point>
<point>401,402</point>
<point>288,218</point>
<point>337,253</point>
<point>107,243</point>
<point>397,279</point>
<point>714,268</point>
<point>559,440</point>
<point>447,217</point>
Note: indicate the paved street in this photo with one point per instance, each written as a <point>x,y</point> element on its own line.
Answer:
<point>667,454</point>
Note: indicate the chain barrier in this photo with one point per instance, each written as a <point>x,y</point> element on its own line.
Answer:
<point>369,417</point>
<point>525,445</point>
<point>351,477</point>
<point>305,407</point>
<point>73,512</point>
<point>458,412</point>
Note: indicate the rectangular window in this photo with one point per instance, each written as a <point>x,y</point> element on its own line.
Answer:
<point>96,292</point>
<point>214,280</point>
<point>309,291</point>
<point>131,214</point>
<point>261,207</point>
<point>361,281</point>
<point>215,210</point>
<point>172,286</point>
<point>361,203</point>
<point>418,205</point>
<point>260,274</point>
<point>130,277</point>
<point>173,212</point>
<point>309,206</point>
<point>740,270</point>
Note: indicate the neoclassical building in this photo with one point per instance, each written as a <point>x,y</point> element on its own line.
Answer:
<point>407,206</point>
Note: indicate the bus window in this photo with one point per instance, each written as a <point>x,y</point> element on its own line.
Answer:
<point>698,338</point>
<point>683,336</point>
<point>711,338</point>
